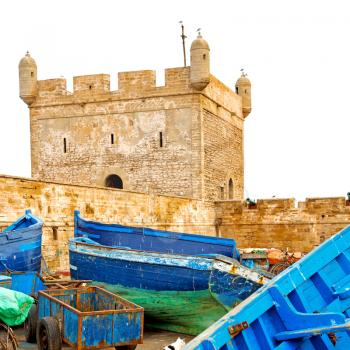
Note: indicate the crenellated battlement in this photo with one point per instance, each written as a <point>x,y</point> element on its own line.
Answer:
<point>141,82</point>
<point>52,87</point>
<point>310,204</point>
<point>283,223</point>
<point>91,84</point>
<point>177,77</point>
<point>135,84</point>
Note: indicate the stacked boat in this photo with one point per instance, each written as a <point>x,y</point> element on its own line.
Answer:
<point>185,282</point>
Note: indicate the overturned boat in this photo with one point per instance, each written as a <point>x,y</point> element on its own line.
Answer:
<point>20,244</point>
<point>143,238</point>
<point>181,293</point>
<point>306,307</point>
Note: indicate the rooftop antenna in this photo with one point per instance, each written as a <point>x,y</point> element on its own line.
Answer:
<point>183,36</point>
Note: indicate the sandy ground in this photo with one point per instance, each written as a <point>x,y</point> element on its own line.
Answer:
<point>153,340</point>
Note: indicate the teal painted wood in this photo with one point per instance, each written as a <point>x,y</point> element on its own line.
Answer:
<point>306,307</point>
<point>20,244</point>
<point>143,238</point>
<point>92,317</point>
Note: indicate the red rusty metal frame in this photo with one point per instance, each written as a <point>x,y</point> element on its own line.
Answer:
<point>51,293</point>
<point>237,328</point>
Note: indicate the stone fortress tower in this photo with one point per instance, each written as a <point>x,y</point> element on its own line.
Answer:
<point>184,138</point>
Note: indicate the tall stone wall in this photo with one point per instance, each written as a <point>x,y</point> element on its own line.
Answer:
<point>278,223</point>
<point>283,223</point>
<point>55,203</point>
<point>223,157</point>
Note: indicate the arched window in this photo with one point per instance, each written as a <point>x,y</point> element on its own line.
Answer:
<point>230,189</point>
<point>114,181</point>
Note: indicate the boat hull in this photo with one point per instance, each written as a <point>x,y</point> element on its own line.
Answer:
<point>188,312</point>
<point>20,245</point>
<point>147,273</point>
<point>179,293</point>
<point>147,239</point>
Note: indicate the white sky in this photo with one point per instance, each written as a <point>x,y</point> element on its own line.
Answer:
<point>296,54</point>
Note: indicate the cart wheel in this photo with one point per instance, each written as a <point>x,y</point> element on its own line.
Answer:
<point>48,335</point>
<point>126,347</point>
<point>30,324</point>
<point>8,339</point>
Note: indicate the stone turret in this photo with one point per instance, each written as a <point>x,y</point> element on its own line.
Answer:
<point>27,79</point>
<point>200,63</point>
<point>243,89</point>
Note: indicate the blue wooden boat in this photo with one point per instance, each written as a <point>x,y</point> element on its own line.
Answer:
<point>142,238</point>
<point>306,307</point>
<point>20,244</point>
<point>181,293</point>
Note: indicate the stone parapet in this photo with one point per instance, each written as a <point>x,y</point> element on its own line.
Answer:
<point>132,85</point>
<point>275,223</point>
<point>283,223</point>
<point>55,203</point>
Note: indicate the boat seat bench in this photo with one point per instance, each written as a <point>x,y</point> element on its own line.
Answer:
<point>342,288</point>
<point>305,324</point>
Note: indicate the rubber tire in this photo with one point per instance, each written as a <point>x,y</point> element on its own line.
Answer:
<point>48,325</point>
<point>126,347</point>
<point>30,324</point>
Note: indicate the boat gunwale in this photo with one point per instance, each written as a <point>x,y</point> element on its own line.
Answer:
<point>26,217</point>
<point>176,257</point>
<point>152,252</point>
<point>24,229</point>
<point>161,233</point>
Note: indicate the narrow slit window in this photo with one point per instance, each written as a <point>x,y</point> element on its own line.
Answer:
<point>160,139</point>
<point>54,233</point>
<point>222,192</point>
<point>64,145</point>
<point>236,90</point>
<point>230,189</point>
<point>112,139</point>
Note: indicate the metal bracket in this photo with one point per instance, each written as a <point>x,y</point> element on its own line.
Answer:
<point>237,328</point>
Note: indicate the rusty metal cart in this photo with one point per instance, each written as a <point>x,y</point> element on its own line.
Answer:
<point>86,318</point>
